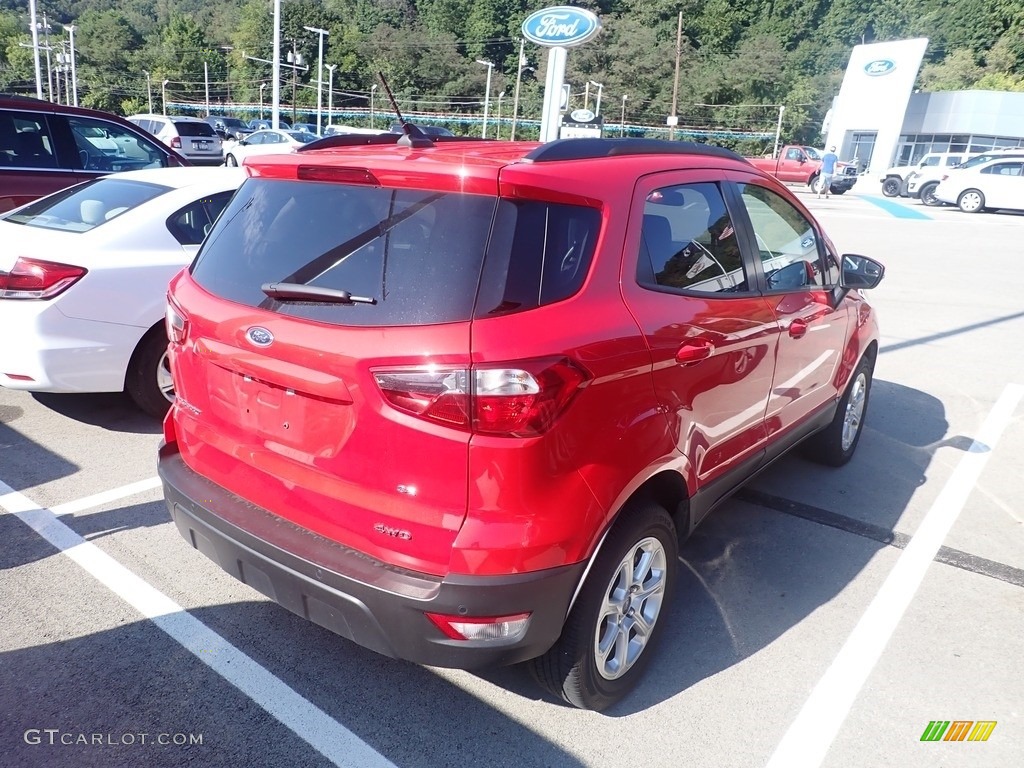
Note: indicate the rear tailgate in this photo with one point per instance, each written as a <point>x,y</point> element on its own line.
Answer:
<point>278,402</point>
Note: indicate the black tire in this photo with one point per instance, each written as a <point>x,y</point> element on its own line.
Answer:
<point>148,377</point>
<point>835,445</point>
<point>891,186</point>
<point>928,194</point>
<point>971,201</point>
<point>230,161</point>
<point>839,191</point>
<point>607,610</point>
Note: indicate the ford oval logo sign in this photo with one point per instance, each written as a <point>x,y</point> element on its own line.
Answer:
<point>879,67</point>
<point>561,26</point>
<point>259,337</point>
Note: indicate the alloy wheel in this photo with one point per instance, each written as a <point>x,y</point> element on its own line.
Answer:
<point>631,607</point>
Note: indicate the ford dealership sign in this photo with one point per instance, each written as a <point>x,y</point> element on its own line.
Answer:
<point>561,26</point>
<point>879,67</point>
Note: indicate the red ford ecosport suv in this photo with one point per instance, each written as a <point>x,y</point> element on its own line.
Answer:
<point>459,401</point>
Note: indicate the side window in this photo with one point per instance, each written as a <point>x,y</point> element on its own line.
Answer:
<point>106,146</point>
<point>1004,169</point>
<point>794,154</point>
<point>689,242</point>
<point>787,242</point>
<point>25,141</point>
<point>191,224</point>
<point>256,138</point>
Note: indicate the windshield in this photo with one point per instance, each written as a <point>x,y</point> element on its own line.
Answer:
<point>812,153</point>
<point>87,206</point>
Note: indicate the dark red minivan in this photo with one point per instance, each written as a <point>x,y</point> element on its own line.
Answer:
<point>46,147</point>
<point>459,401</point>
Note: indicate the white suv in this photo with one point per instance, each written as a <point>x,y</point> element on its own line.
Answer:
<point>895,178</point>
<point>192,137</point>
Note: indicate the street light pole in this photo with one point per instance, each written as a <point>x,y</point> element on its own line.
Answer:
<point>262,86</point>
<point>149,90</point>
<point>497,122</point>
<point>206,79</point>
<point>319,76</point>
<point>487,94</point>
<point>622,120</point>
<point>519,79</point>
<point>373,90</point>
<point>275,91</point>
<point>163,95</point>
<point>35,48</point>
<point>330,91</point>
<point>74,72</point>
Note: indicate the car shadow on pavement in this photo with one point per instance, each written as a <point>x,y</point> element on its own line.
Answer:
<point>112,411</point>
<point>120,683</point>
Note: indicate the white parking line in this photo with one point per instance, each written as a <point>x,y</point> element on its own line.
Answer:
<point>808,739</point>
<point>307,721</point>
<point>98,499</point>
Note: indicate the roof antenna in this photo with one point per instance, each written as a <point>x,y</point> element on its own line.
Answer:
<point>412,136</point>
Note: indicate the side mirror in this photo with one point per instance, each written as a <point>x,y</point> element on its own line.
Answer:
<point>860,272</point>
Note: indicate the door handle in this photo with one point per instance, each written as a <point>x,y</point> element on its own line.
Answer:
<point>693,350</point>
<point>797,328</point>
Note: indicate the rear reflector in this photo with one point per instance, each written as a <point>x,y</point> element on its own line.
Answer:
<point>508,628</point>
<point>177,325</point>
<point>36,279</point>
<point>520,399</point>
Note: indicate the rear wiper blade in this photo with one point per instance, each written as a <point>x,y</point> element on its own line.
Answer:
<point>302,292</point>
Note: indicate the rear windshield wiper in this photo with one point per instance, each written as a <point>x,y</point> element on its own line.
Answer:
<point>303,292</point>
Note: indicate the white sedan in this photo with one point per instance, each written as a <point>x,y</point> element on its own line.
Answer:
<point>999,183</point>
<point>84,274</point>
<point>268,142</point>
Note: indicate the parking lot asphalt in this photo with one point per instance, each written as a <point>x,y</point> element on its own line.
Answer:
<point>825,618</point>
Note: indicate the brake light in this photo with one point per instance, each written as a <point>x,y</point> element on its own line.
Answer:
<point>176,142</point>
<point>520,399</point>
<point>509,628</point>
<point>36,279</point>
<point>176,323</point>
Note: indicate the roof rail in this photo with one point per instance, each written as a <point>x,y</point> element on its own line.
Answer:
<point>586,149</point>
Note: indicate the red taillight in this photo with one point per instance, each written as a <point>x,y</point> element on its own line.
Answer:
<point>35,279</point>
<point>176,142</point>
<point>520,399</point>
<point>177,325</point>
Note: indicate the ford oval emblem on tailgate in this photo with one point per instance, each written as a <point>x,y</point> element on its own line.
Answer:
<point>259,337</point>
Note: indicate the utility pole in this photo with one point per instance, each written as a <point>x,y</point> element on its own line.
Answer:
<point>206,79</point>
<point>296,60</point>
<point>330,91</point>
<point>778,133</point>
<point>149,90</point>
<point>673,119</point>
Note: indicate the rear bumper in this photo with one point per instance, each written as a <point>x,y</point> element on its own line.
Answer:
<point>367,601</point>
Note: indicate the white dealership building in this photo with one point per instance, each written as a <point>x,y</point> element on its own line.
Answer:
<point>880,120</point>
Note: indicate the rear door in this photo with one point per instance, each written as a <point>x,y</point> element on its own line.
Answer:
<point>712,337</point>
<point>280,400</point>
<point>797,274</point>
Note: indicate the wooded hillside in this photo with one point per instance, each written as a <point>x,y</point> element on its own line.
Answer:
<point>738,61</point>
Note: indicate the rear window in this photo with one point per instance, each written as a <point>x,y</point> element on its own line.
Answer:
<point>88,205</point>
<point>419,255</point>
<point>189,128</point>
